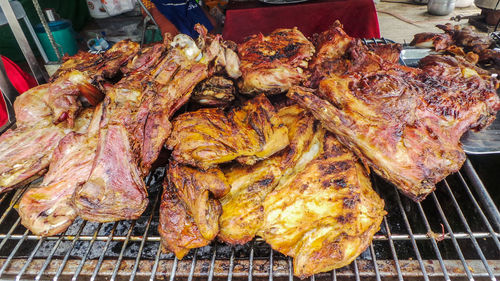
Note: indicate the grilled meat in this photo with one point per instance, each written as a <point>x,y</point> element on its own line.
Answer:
<point>189,212</point>
<point>274,63</point>
<point>99,67</point>
<point>437,41</point>
<point>467,38</point>
<point>45,114</point>
<point>48,210</point>
<point>325,214</point>
<point>134,127</point>
<point>215,91</point>
<point>388,52</point>
<point>405,123</point>
<point>209,136</point>
<point>242,207</point>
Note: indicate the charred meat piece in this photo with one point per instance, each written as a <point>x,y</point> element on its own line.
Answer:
<point>48,209</point>
<point>209,136</point>
<point>215,91</point>
<point>274,63</point>
<point>467,38</point>
<point>388,52</point>
<point>436,41</point>
<point>242,207</point>
<point>99,67</point>
<point>189,212</point>
<point>405,123</point>
<point>325,214</point>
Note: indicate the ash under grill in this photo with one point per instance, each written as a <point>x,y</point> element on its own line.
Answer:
<point>452,235</point>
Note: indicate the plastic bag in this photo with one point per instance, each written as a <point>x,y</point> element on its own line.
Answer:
<point>116,7</point>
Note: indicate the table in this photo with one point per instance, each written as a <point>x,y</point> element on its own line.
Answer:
<point>359,18</point>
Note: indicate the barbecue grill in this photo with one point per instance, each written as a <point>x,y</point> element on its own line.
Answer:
<point>453,234</point>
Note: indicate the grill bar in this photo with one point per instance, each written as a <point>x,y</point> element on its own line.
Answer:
<point>473,239</point>
<point>82,262</point>
<point>433,241</point>
<point>66,256</point>
<point>450,231</point>
<point>410,232</point>
<point>120,257</point>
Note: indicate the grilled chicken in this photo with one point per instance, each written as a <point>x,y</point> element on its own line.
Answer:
<point>325,214</point>
<point>209,136</point>
<point>189,212</point>
<point>242,207</point>
<point>436,41</point>
<point>388,52</point>
<point>405,123</point>
<point>49,210</point>
<point>273,63</point>
<point>215,91</point>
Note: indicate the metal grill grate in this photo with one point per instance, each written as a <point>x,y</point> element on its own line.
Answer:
<point>453,235</point>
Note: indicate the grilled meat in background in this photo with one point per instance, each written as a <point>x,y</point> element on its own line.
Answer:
<point>48,209</point>
<point>189,210</point>
<point>209,136</point>
<point>405,123</point>
<point>436,41</point>
<point>273,63</point>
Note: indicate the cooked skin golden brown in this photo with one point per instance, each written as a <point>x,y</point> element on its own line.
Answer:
<point>274,63</point>
<point>405,123</point>
<point>467,38</point>
<point>325,214</point>
<point>388,52</point>
<point>189,212</point>
<point>209,136</point>
<point>242,207</point>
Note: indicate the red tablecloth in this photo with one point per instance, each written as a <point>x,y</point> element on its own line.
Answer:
<point>21,80</point>
<point>359,18</point>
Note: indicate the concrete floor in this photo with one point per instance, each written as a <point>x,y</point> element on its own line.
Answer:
<point>400,21</point>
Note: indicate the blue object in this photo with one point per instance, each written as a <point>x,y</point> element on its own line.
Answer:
<point>63,37</point>
<point>184,14</point>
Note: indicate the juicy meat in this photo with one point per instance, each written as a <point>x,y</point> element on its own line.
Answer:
<point>209,136</point>
<point>405,123</point>
<point>437,41</point>
<point>215,91</point>
<point>324,215</point>
<point>134,128</point>
<point>25,151</point>
<point>190,194</point>
<point>273,63</point>
<point>242,207</point>
<point>48,209</point>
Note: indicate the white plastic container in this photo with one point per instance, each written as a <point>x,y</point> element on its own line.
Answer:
<point>97,10</point>
<point>463,3</point>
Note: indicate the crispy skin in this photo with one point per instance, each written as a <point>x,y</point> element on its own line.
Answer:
<point>324,215</point>
<point>48,210</point>
<point>437,41</point>
<point>208,137</point>
<point>242,206</point>
<point>274,63</point>
<point>189,212</point>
